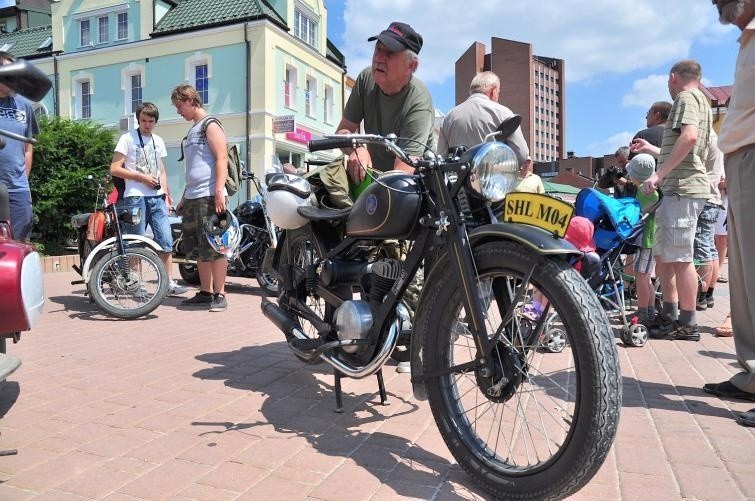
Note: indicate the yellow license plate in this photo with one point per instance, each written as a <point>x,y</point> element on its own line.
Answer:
<point>538,210</point>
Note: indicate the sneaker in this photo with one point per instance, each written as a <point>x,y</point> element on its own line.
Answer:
<point>711,301</point>
<point>685,332</point>
<point>176,290</point>
<point>531,312</point>
<point>659,326</point>
<point>201,298</point>
<point>702,302</point>
<point>404,367</point>
<point>218,302</point>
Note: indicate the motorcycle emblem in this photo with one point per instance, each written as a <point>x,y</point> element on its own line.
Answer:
<point>371,204</point>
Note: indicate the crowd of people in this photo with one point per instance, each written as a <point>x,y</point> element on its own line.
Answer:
<point>703,178</point>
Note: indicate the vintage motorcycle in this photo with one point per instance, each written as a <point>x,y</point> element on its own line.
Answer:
<point>22,293</point>
<point>258,234</point>
<point>123,273</point>
<point>524,422</point>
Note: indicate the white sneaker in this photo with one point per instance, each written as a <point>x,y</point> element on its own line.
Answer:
<point>176,290</point>
<point>404,368</point>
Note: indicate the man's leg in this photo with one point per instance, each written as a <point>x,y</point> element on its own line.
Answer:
<point>21,214</point>
<point>741,167</point>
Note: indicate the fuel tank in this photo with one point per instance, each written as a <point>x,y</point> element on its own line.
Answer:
<point>388,208</point>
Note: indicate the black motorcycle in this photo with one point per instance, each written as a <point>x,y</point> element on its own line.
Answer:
<point>524,422</point>
<point>257,235</point>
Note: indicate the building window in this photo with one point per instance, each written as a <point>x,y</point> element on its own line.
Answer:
<point>328,104</point>
<point>122,25</point>
<point>85,90</point>
<point>103,29</point>
<point>202,82</point>
<point>304,28</point>
<point>136,91</point>
<point>289,90</point>
<point>84,34</point>
<point>310,96</point>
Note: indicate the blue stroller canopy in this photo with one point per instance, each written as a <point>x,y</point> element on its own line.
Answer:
<point>615,219</point>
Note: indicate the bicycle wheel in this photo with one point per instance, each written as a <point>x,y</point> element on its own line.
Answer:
<point>539,424</point>
<point>128,285</point>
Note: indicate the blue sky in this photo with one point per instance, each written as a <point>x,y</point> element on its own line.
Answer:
<point>617,52</point>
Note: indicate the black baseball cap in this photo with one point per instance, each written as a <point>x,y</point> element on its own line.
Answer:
<point>398,37</point>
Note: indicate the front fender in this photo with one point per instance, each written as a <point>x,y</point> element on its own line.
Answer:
<point>539,241</point>
<point>108,245</point>
<point>534,238</point>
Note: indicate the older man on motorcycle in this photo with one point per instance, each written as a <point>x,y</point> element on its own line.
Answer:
<point>389,99</point>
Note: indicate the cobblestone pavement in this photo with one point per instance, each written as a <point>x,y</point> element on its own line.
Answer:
<point>199,405</point>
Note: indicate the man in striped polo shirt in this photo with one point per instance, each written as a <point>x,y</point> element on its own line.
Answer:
<point>682,177</point>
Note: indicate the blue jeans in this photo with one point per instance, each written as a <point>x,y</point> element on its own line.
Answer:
<point>21,215</point>
<point>154,214</point>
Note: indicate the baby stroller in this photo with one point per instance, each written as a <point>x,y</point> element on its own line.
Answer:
<point>619,227</point>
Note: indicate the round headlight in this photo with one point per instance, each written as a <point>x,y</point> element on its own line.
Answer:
<point>494,171</point>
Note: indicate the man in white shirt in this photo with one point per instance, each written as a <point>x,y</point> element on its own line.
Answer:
<point>138,161</point>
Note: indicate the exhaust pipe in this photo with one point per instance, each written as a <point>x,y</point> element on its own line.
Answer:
<point>291,328</point>
<point>277,316</point>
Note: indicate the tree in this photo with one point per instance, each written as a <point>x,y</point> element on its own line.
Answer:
<point>66,153</point>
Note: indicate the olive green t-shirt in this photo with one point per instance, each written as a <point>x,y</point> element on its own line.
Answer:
<point>408,114</point>
<point>689,178</point>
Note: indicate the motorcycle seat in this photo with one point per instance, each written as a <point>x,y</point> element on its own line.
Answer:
<point>78,220</point>
<point>323,213</point>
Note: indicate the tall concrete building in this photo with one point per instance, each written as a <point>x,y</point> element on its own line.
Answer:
<point>532,86</point>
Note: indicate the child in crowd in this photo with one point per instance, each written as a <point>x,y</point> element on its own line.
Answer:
<point>639,169</point>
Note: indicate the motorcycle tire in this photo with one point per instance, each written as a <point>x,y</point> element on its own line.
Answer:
<point>128,286</point>
<point>541,425</point>
<point>267,283</point>
<point>189,273</point>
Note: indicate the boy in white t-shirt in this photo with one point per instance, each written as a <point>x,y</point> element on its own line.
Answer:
<point>138,160</point>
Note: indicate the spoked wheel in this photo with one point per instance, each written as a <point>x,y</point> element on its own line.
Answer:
<point>531,424</point>
<point>267,282</point>
<point>129,285</point>
<point>300,249</point>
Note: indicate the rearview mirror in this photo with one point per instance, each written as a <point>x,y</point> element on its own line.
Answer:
<point>25,79</point>
<point>509,126</point>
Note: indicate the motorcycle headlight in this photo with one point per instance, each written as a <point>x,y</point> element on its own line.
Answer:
<point>132,216</point>
<point>494,171</point>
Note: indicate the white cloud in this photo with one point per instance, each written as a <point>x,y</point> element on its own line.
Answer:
<point>646,91</point>
<point>595,38</point>
<point>610,145</point>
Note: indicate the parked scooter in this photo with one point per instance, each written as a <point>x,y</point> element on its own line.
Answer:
<point>258,234</point>
<point>123,273</point>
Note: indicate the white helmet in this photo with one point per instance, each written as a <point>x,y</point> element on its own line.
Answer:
<point>286,193</point>
<point>223,233</point>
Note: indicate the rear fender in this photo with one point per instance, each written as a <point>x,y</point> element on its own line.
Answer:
<point>108,245</point>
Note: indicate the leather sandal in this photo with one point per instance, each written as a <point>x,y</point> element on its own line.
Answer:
<point>725,329</point>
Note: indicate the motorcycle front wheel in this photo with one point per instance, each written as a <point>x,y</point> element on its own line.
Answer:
<point>128,285</point>
<point>533,424</point>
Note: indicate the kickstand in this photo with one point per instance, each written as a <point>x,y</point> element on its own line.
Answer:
<point>339,393</point>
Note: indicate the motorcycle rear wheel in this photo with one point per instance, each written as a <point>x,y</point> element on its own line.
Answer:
<point>267,283</point>
<point>189,273</point>
<point>128,286</point>
<point>542,424</point>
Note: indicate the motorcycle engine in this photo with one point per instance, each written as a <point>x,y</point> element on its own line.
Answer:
<point>354,318</point>
<point>353,321</point>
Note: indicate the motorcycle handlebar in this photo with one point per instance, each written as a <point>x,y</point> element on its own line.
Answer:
<point>331,143</point>
<point>355,140</point>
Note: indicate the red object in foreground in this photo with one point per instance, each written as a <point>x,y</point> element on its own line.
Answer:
<point>21,284</point>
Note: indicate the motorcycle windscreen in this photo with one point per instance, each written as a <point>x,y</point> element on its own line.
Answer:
<point>25,79</point>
